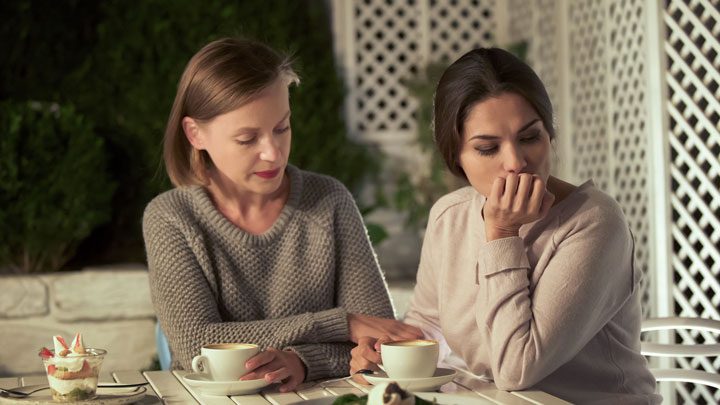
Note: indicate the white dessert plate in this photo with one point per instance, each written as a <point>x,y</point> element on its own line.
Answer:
<point>208,386</point>
<point>440,399</point>
<point>105,396</point>
<point>442,376</point>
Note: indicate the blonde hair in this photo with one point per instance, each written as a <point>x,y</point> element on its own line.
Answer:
<point>221,77</point>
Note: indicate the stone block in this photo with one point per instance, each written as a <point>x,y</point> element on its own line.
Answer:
<point>130,344</point>
<point>100,295</point>
<point>23,296</point>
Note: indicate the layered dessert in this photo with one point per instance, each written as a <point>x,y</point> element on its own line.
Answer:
<point>73,370</point>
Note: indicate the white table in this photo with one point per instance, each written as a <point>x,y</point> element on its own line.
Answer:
<point>168,388</point>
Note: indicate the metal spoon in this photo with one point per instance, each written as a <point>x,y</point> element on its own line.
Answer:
<point>31,389</point>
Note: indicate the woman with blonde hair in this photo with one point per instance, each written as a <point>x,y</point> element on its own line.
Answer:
<point>247,247</point>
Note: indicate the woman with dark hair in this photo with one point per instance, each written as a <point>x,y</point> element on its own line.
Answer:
<point>248,248</point>
<point>528,279</point>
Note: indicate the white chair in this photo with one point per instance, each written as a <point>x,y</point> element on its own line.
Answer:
<point>678,350</point>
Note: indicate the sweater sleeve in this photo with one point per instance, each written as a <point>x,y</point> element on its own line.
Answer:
<point>188,310</point>
<point>361,289</point>
<point>583,285</point>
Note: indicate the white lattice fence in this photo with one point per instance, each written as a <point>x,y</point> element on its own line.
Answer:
<point>593,57</point>
<point>390,41</point>
<point>692,50</point>
<point>628,115</point>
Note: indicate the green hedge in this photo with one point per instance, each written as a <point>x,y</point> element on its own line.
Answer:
<point>119,62</point>
<point>53,185</point>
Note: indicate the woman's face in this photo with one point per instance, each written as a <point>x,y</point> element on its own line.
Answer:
<point>249,146</point>
<point>501,135</point>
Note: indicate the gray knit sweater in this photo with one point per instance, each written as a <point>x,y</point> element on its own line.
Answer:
<point>289,288</point>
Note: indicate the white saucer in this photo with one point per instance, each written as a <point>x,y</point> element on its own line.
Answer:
<point>207,386</point>
<point>442,376</point>
<point>105,396</point>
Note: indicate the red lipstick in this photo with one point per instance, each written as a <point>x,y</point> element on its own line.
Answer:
<point>268,174</point>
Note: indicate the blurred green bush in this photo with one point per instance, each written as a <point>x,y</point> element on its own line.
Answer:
<point>119,62</point>
<point>54,188</point>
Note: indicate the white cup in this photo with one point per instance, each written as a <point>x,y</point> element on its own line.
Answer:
<point>410,358</point>
<point>224,361</point>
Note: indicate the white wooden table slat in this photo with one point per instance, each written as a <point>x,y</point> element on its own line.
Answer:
<point>539,397</point>
<point>134,377</point>
<point>168,387</point>
<point>312,390</point>
<point>280,398</point>
<point>105,377</point>
<point>488,390</point>
<point>9,382</point>
<point>364,388</point>
<point>202,399</point>
<point>341,387</point>
<point>255,399</point>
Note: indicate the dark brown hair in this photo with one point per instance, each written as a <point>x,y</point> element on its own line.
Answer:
<point>478,75</point>
<point>219,78</point>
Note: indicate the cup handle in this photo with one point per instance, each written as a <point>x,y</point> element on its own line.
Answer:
<point>198,363</point>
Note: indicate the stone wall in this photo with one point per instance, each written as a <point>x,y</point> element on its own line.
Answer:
<point>110,306</point>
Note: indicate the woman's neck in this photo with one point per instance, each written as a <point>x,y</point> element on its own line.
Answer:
<point>254,213</point>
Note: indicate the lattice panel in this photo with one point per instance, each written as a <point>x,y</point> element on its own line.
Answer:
<point>387,42</point>
<point>543,52</point>
<point>459,26</point>
<point>628,112</point>
<point>393,40</point>
<point>588,90</point>
<point>692,49</point>
<point>520,20</point>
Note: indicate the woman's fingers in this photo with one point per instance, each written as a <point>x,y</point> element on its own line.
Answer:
<point>496,193</point>
<point>536,197</point>
<point>264,357</point>
<point>259,372</point>
<point>508,197</point>
<point>405,331</point>
<point>525,186</point>
<point>290,384</point>
<point>277,375</point>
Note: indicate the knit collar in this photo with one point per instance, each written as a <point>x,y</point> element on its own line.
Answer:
<point>216,220</point>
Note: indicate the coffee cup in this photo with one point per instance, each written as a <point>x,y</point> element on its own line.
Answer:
<point>410,358</point>
<point>224,361</point>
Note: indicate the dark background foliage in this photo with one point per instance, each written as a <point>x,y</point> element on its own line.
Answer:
<point>118,63</point>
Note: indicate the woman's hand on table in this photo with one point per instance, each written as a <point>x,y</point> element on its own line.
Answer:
<point>366,356</point>
<point>276,366</point>
<point>364,325</point>
<point>515,200</point>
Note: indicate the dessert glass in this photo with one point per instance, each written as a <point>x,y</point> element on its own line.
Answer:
<point>75,376</point>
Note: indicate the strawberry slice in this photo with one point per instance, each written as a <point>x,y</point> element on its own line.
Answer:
<point>60,345</point>
<point>51,369</point>
<point>77,344</point>
<point>45,353</point>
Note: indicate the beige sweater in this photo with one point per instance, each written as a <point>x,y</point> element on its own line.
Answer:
<point>556,308</point>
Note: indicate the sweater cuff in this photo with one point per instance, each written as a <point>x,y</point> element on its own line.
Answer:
<point>502,254</point>
<point>331,325</point>
<point>317,364</point>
